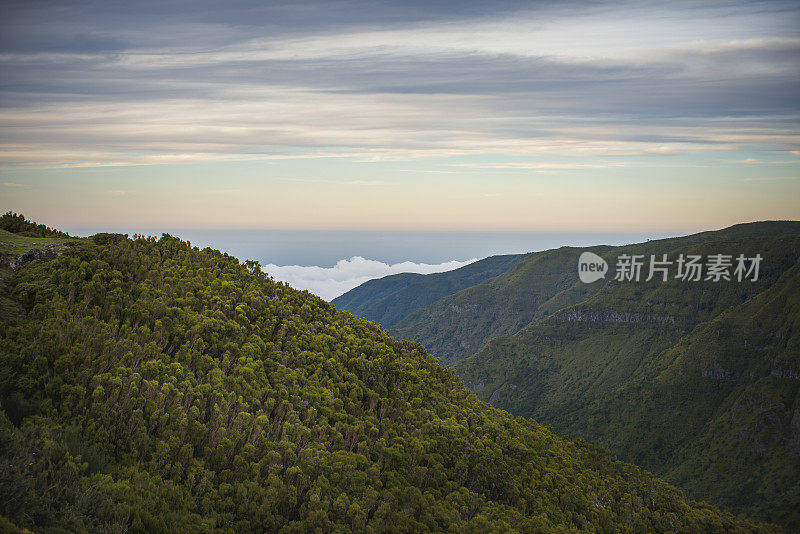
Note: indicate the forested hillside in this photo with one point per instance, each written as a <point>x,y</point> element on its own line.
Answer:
<point>148,386</point>
<point>390,299</point>
<point>698,382</point>
<point>540,285</point>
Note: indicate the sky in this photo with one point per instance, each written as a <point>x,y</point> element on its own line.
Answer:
<point>342,115</point>
<point>329,263</point>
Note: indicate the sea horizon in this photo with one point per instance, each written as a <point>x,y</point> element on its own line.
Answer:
<point>324,248</point>
<point>329,263</point>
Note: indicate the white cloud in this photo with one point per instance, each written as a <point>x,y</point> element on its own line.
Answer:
<point>540,166</point>
<point>330,282</point>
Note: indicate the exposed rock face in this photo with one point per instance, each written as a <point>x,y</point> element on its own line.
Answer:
<point>475,386</point>
<point>790,373</point>
<point>466,308</point>
<point>494,396</point>
<point>49,252</point>
<point>613,316</point>
<point>717,372</point>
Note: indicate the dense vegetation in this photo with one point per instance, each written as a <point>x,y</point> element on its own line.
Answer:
<point>695,382</point>
<point>150,386</point>
<point>699,382</point>
<point>459,325</point>
<point>17,224</point>
<point>390,299</point>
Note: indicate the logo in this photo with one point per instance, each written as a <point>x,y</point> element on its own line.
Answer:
<point>687,268</point>
<point>591,267</point>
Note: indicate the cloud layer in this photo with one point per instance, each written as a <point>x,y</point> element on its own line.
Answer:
<point>330,282</point>
<point>183,82</point>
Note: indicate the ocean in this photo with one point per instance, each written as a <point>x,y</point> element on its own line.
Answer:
<point>329,263</point>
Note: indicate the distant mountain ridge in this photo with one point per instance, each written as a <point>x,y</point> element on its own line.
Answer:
<point>458,325</point>
<point>709,399</point>
<point>698,382</point>
<point>390,299</point>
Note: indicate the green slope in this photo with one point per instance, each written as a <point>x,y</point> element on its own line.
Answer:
<point>616,367</point>
<point>11,243</point>
<point>458,325</point>
<point>543,283</point>
<point>390,299</point>
<point>149,386</point>
<point>736,383</point>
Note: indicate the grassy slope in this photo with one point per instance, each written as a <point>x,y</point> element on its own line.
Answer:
<point>11,244</point>
<point>16,244</point>
<point>458,326</point>
<point>728,397</point>
<point>595,379</point>
<point>390,299</point>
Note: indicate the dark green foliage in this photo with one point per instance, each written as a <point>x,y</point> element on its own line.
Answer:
<point>18,224</point>
<point>149,386</point>
<point>709,399</point>
<point>459,325</point>
<point>390,299</point>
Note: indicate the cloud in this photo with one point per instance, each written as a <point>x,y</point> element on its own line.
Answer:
<point>11,184</point>
<point>338,182</point>
<point>330,282</point>
<point>543,167</point>
<point>365,182</point>
<point>771,178</point>
<point>392,80</point>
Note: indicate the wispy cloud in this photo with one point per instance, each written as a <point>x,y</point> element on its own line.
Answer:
<point>367,183</point>
<point>771,178</point>
<point>540,166</point>
<point>11,184</point>
<point>428,171</point>
<point>387,82</point>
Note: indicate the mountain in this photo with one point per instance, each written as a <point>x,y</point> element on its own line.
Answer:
<point>389,299</point>
<point>625,364</point>
<point>149,386</point>
<point>697,382</point>
<point>543,283</point>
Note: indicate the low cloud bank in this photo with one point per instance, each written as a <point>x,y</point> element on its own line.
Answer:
<point>330,282</point>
